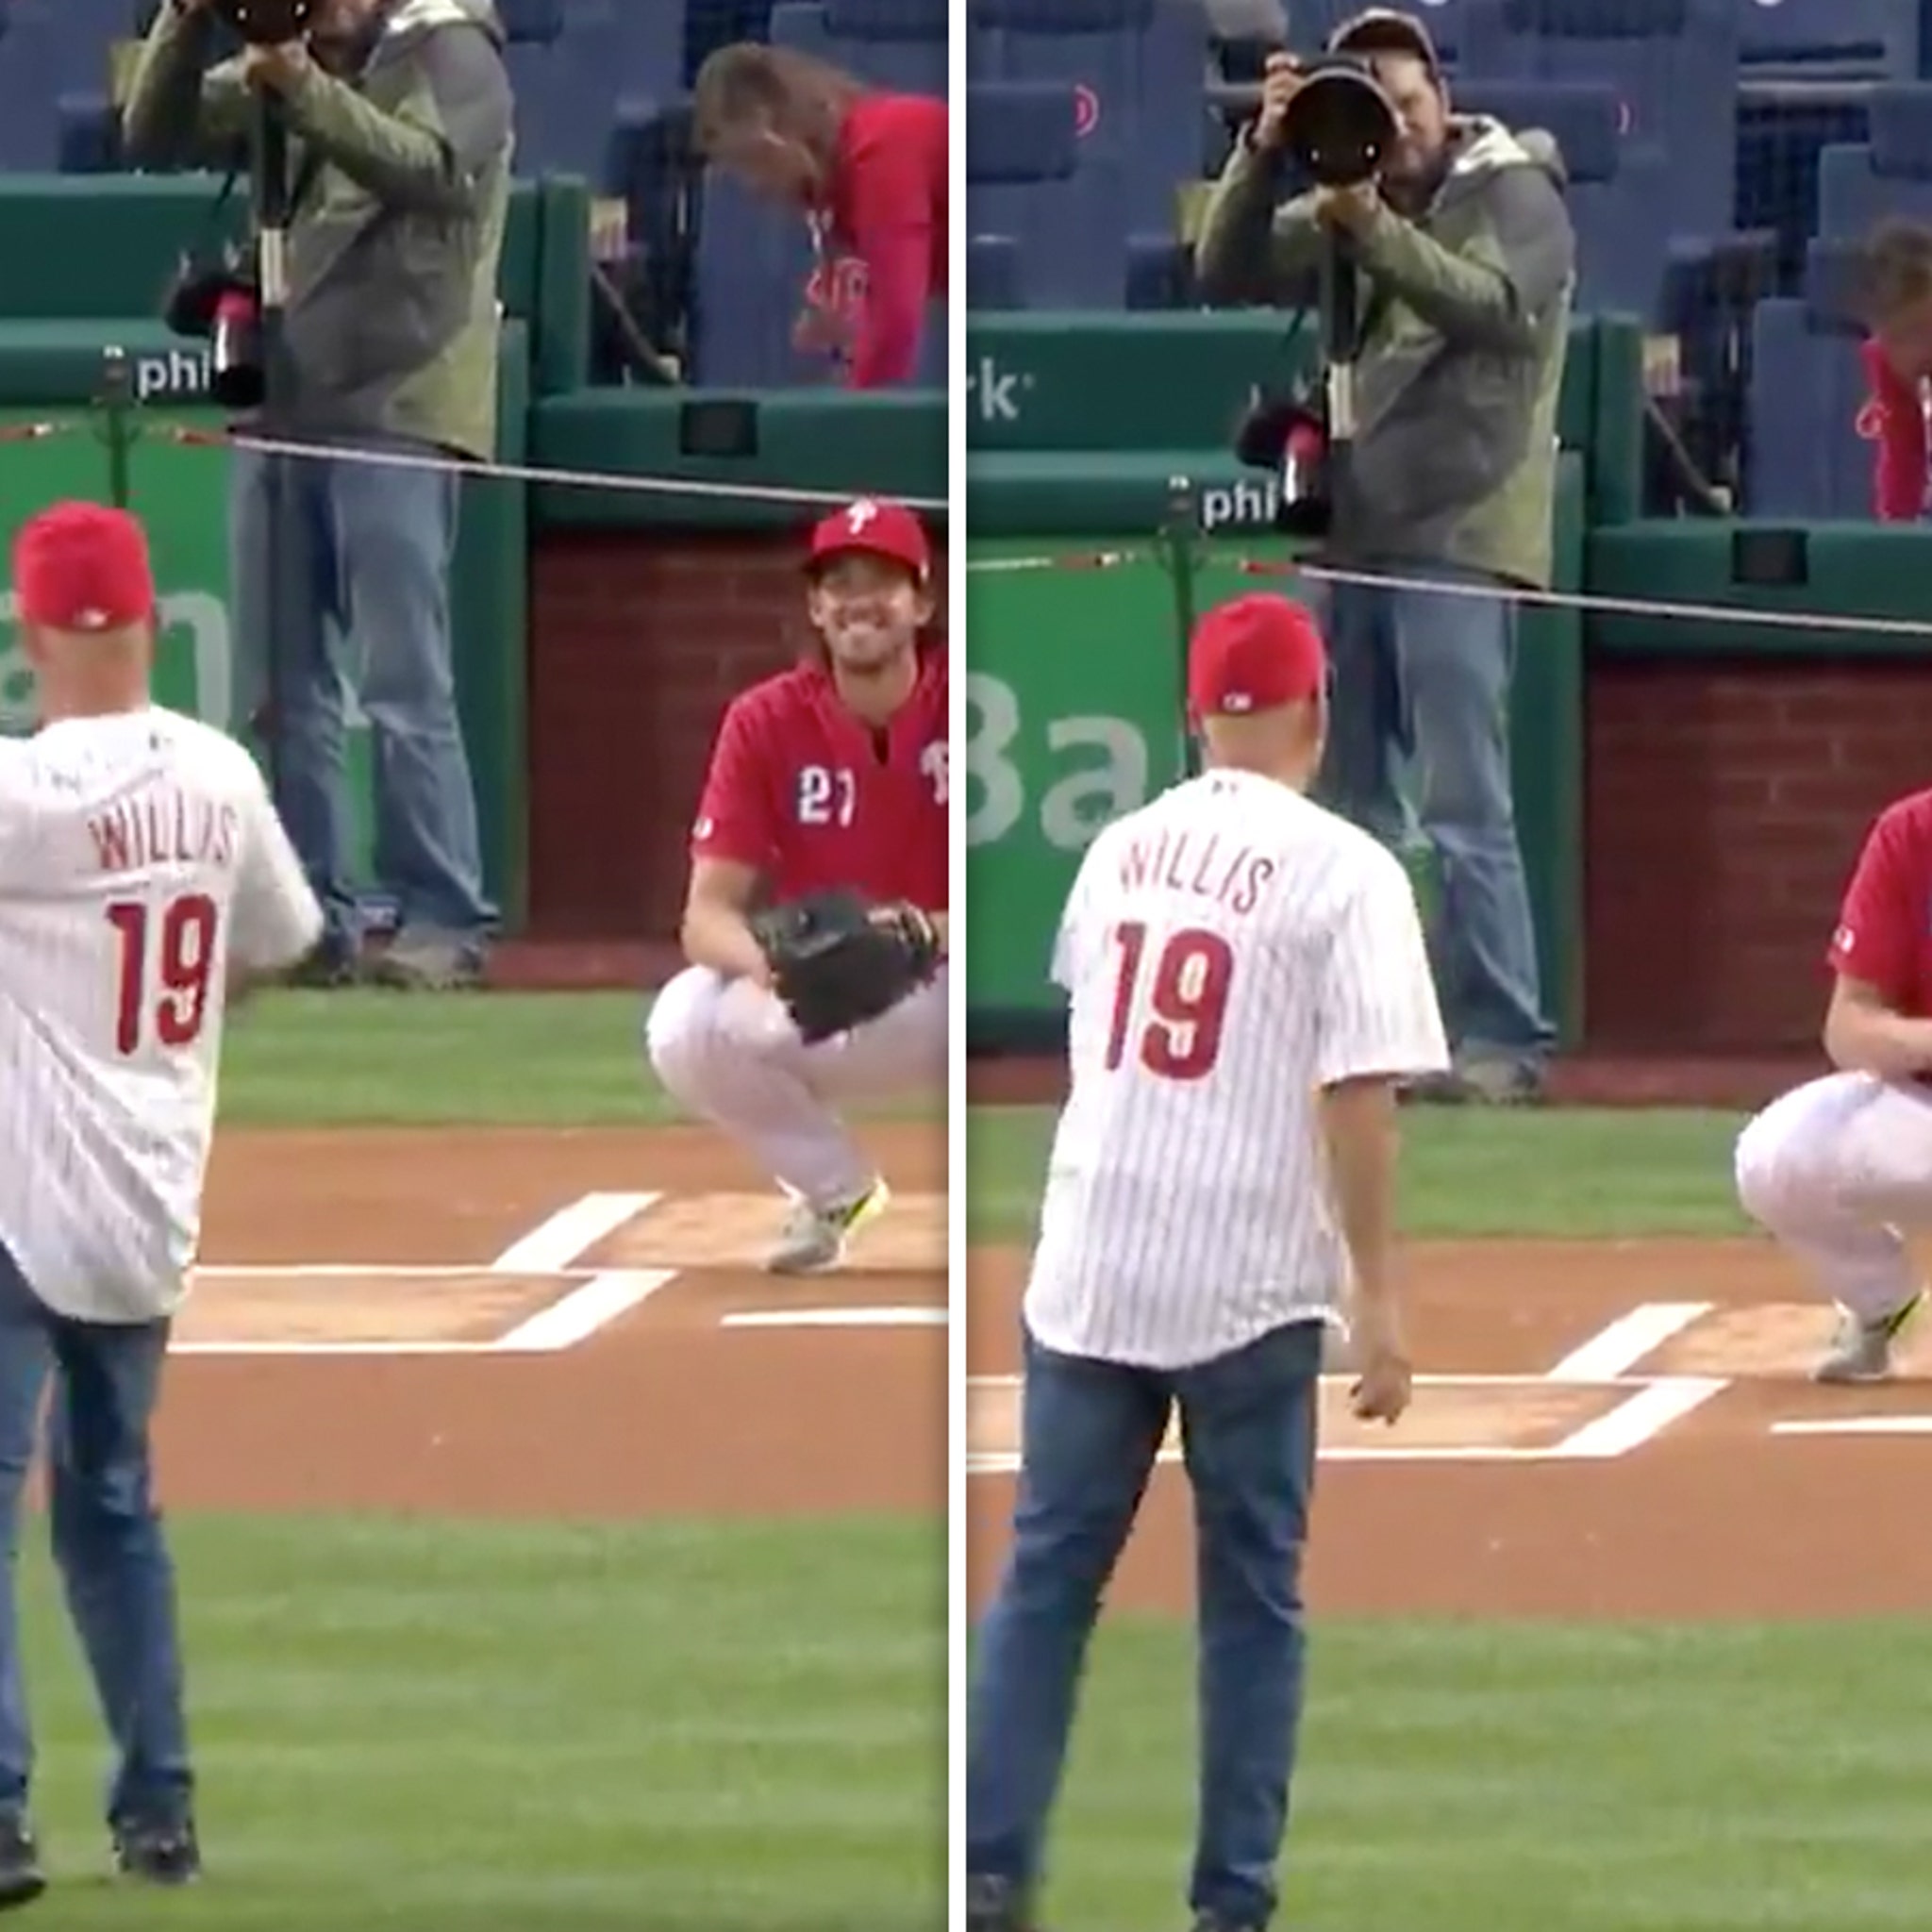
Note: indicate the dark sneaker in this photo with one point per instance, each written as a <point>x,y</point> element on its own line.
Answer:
<point>994,1905</point>
<point>332,963</point>
<point>157,1854</point>
<point>426,962</point>
<point>1207,1922</point>
<point>1485,1082</point>
<point>21,1880</point>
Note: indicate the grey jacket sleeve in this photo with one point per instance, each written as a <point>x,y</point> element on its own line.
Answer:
<point>431,156</point>
<point>1248,249</point>
<point>1492,294</point>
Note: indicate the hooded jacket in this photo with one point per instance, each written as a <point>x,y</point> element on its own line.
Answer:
<point>1466,313</point>
<point>402,171</point>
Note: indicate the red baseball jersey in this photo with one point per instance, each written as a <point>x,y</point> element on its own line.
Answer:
<point>1883,935</point>
<point>814,797</point>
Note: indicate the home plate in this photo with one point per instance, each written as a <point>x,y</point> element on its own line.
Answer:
<point>296,1307</point>
<point>690,1232</point>
<point>1451,1417</point>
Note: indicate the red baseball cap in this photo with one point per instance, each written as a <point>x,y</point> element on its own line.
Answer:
<point>1253,654</point>
<point>877,529</point>
<point>82,567</point>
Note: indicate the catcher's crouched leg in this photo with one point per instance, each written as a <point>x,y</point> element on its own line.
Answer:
<point>726,1051</point>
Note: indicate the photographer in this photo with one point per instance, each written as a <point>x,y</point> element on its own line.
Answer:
<point>399,116</point>
<point>1466,258</point>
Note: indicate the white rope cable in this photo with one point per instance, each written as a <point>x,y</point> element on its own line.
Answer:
<point>617,482</point>
<point>1663,608</point>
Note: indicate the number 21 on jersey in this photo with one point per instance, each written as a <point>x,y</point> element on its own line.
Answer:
<point>165,960</point>
<point>1187,982</point>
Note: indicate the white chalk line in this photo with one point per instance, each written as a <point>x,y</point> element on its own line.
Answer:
<point>550,1247</point>
<point>1900,1424</point>
<point>836,1318</point>
<point>580,1314</point>
<point>1639,1418</point>
<point>597,1297</point>
<point>1617,1349</point>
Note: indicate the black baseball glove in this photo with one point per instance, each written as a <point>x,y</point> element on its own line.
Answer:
<point>837,961</point>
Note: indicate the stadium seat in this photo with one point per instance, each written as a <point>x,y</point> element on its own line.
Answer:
<point>1674,62</point>
<point>1830,39</point>
<point>565,65</point>
<point>1805,455</point>
<point>704,25</point>
<point>753,262</point>
<point>1024,203</point>
<point>1140,67</point>
<point>1891,175</point>
<point>896,45</point>
<point>647,46</point>
<point>90,135</point>
<point>1621,246</point>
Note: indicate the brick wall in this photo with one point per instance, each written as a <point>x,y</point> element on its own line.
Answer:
<point>1724,804</point>
<point>637,643</point>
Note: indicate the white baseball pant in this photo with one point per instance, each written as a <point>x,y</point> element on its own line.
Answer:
<point>1840,1170</point>
<point>728,1050</point>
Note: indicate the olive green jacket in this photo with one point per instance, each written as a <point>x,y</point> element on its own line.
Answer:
<point>1467,321</point>
<point>394,247</point>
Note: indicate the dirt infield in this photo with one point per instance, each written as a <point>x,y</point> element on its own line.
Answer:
<point>563,1322</point>
<point>573,1323</point>
<point>1606,1428</point>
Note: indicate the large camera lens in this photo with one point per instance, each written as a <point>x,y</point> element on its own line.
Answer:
<point>1340,125</point>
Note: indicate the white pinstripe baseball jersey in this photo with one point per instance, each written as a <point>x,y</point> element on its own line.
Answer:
<point>1230,949</point>
<point>140,860</point>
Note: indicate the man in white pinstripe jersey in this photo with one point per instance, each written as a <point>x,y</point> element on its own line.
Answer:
<point>1249,984</point>
<point>141,866</point>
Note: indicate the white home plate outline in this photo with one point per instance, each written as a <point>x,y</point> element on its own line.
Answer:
<point>1650,1406</point>
<point>588,1299</point>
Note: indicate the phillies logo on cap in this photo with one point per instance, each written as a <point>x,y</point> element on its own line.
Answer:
<point>862,513</point>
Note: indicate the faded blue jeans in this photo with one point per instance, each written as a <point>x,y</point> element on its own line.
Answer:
<point>1422,695</point>
<point>108,1544</point>
<point>360,602</point>
<point>1090,1432</point>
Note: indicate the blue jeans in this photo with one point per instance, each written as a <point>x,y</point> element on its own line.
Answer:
<point>362,557</point>
<point>1423,676</point>
<point>108,1544</point>
<point>1089,1431</point>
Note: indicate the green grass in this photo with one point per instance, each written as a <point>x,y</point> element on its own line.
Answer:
<point>364,1058</point>
<point>1603,1174</point>
<point>689,1727</point>
<point>1466,1777</point>
<point>731,1728</point>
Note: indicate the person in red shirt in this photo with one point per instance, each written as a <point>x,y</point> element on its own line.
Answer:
<point>868,170</point>
<point>834,772</point>
<point>1840,1170</point>
<point>1896,304</point>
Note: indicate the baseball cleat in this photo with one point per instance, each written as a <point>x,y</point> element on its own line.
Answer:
<point>1860,1347</point>
<point>21,1880</point>
<point>157,1854</point>
<point>815,1239</point>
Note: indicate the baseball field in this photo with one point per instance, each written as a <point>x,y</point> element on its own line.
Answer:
<point>1623,1629</point>
<point>544,1567</point>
